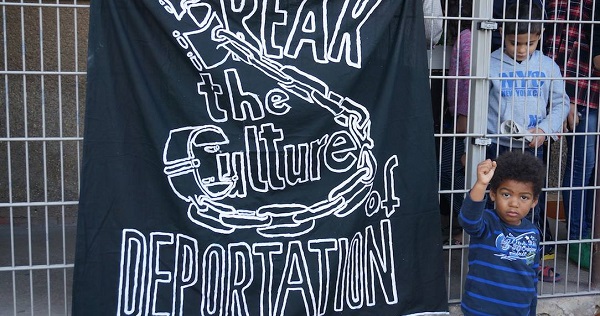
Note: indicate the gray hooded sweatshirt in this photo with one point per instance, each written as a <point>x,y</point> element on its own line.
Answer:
<point>531,93</point>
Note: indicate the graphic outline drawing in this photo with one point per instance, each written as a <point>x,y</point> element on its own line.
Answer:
<point>206,175</point>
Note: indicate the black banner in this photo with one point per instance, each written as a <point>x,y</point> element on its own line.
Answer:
<point>258,158</point>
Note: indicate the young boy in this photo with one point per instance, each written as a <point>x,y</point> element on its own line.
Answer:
<point>503,251</point>
<point>526,86</point>
<point>528,91</point>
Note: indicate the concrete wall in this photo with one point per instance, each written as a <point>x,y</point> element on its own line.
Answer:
<point>41,122</point>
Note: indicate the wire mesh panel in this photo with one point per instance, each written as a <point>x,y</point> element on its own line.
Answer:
<point>460,81</point>
<point>42,62</point>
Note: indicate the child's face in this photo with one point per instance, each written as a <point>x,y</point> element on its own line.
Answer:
<point>520,47</point>
<point>513,200</point>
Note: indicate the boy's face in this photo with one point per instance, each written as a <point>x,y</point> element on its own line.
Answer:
<point>520,47</point>
<point>513,200</point>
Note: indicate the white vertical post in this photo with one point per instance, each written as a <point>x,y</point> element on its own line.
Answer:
<point>480,66</point>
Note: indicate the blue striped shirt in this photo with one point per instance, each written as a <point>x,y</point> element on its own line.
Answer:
<point>503,261</point>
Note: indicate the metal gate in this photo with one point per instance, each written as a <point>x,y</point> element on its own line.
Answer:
<point>482,19</point>
<point>42,60</point>
<point>43,67</point>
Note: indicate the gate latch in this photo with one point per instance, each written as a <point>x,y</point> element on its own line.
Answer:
<point>487,25</point>
<point>482,141</point>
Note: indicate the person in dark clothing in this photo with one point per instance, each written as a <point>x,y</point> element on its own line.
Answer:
<point>569,43</point>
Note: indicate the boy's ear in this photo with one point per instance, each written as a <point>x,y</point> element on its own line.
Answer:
<point>535,202</point>
<point>493,195</point>
<point>500,29</point>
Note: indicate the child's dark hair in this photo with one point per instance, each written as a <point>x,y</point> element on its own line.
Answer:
<point>520,167</point>
<point>461,9</point>
<point>523,10</point>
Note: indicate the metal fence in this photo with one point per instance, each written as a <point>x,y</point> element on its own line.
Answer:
<point>472,137</point>
<point>42,63</point>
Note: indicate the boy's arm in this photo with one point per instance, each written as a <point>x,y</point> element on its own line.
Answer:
<point>559,104</point>
<point>470,216</point>
<point>532,308</point>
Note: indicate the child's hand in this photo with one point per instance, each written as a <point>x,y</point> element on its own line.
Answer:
<point>485,171</point>
<point>538,139</point>
<point>572,119</point>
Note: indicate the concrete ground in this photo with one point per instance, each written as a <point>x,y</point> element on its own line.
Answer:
<point>564,306</point>
<point>46,289</point>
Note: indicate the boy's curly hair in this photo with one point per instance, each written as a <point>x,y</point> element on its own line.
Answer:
<point>520,167</point>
